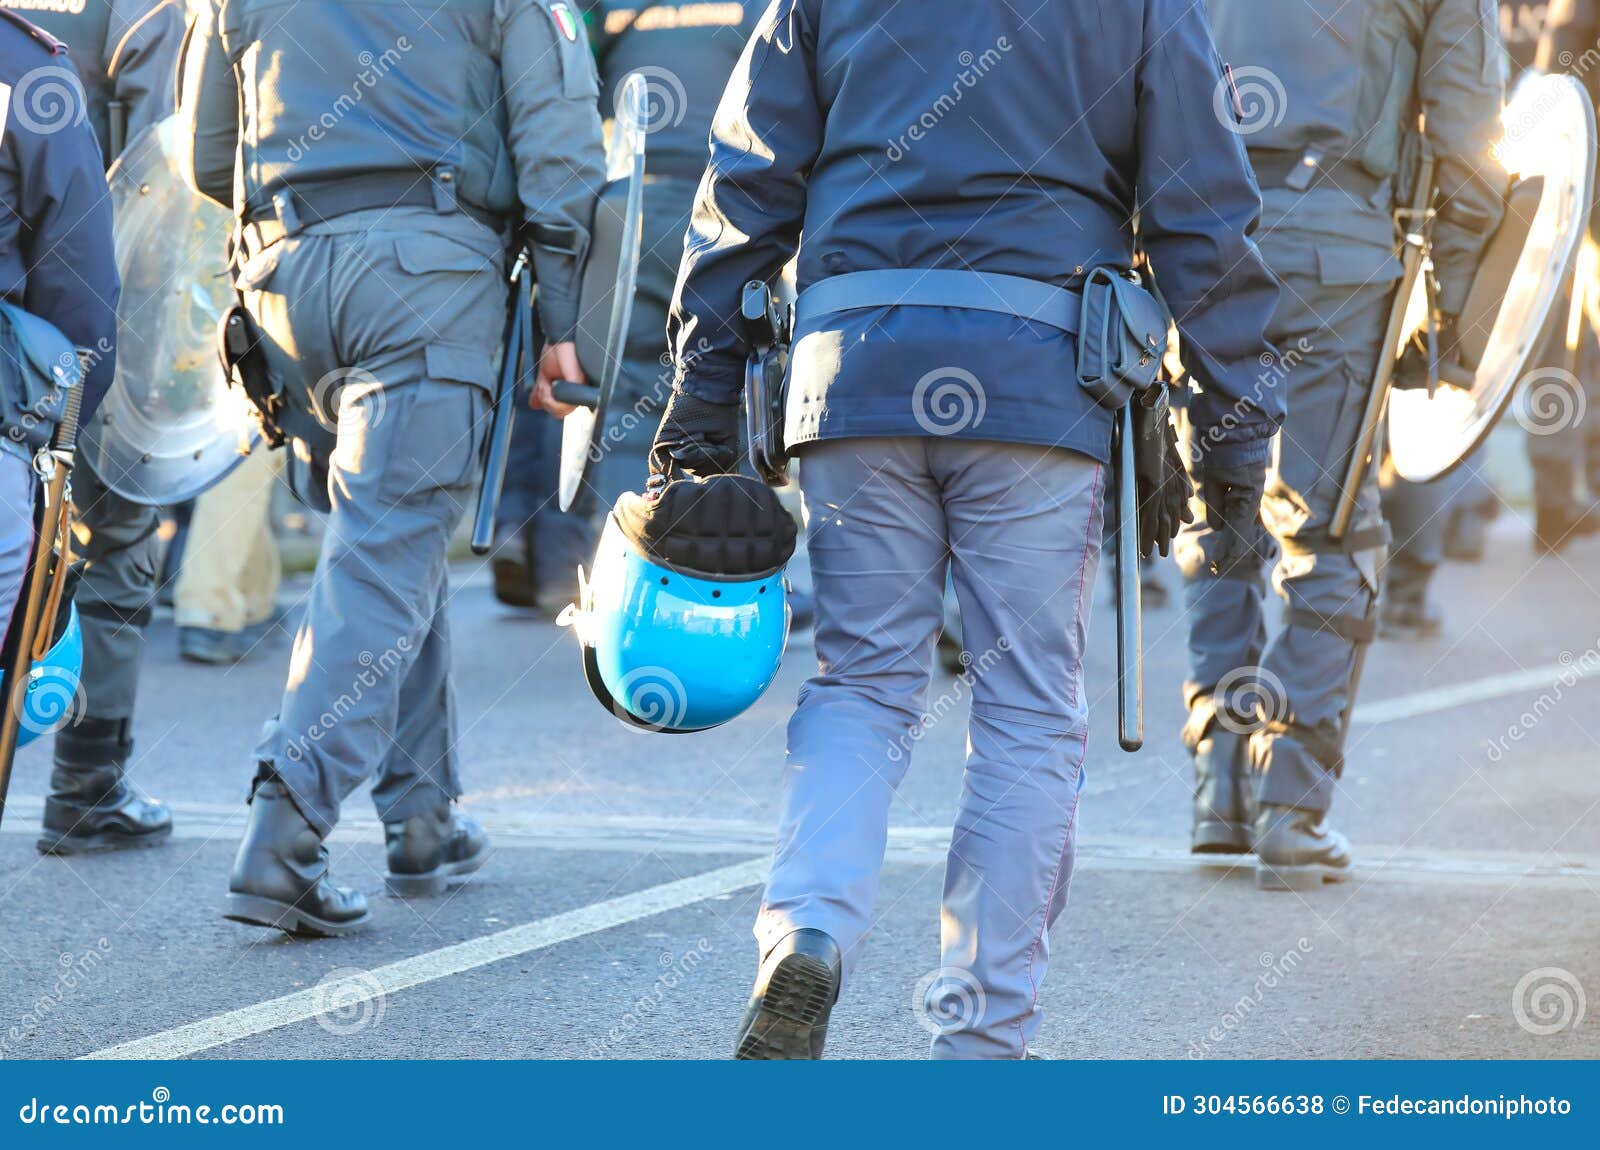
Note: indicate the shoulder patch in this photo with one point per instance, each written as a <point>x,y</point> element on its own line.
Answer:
<point>46,41</point>
<point>565,20</point>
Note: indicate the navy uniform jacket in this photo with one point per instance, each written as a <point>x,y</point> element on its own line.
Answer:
<point>56,255</point>
<point>686,49</point>
<point>125,50</point>
<point>962,135</point>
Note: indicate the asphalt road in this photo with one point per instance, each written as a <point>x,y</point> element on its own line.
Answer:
<point>614,917</point>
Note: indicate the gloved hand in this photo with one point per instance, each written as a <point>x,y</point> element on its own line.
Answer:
<point>1162,483</point>
<point>696,437</point>
<point>1232,500</point>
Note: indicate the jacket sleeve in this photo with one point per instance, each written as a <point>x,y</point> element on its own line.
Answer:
<point>67,246</point>
<point>1198,206</point>
<point>1461,87</point>
<point>557,145</point>
<point>752,200</point>
<point>208,107</point>
<point>142,50</point>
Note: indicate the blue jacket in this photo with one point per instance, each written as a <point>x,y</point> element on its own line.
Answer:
<point>56,255</point>
<point>964,135</point>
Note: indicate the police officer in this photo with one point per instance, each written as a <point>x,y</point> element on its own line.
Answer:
<point>1330,100</point>
<point>378,160</point>
<point>128,53</point>
<point>956,176</point>
<point>685,50</point>
<point>56,258</point>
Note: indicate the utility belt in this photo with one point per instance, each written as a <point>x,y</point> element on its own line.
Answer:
<point>38,368</point>
<point>1306,169</point>
<point>239,341</point>
<point>292,208</point>
<point>1120,327</point>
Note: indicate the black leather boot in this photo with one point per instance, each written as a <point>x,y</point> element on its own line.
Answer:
<point>1298,850</point>
<point>92,806</point>
<point>280,875</point>
<point>426,851</point>
<point>795,990</point>
<point>1223,802</point>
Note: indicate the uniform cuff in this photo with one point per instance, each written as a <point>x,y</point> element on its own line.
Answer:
<point>715,381</point>
<point>1249,453</point>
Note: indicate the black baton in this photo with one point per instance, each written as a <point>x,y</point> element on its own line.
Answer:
<point>519,334</point>
<point>1130,625</point>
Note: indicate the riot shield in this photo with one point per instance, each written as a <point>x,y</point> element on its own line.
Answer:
<point>1549,147</point>
<point>170,427</point>
<point>606,302</point>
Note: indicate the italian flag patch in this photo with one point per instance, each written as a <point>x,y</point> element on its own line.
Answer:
<point>565,21</point>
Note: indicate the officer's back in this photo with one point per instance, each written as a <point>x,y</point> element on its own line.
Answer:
<point>977,137</point>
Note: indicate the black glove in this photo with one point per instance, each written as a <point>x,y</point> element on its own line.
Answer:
<point>1162,483</point>
<point>696,437</point>
<point>1232,500</point>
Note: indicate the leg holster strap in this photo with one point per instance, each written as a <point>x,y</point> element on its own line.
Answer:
<point>1354,628</point>
<point>1328,752</point>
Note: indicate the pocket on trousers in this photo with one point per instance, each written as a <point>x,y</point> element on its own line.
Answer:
<point>434,432</point>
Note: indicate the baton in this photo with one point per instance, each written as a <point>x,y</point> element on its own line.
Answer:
<point>519,330</point>
<point>55,467</point>
<point>1130,624</point>
<point>1416,247</point>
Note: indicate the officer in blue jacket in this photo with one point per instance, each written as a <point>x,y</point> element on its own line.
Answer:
<point>956,175</point>
<point>127,54</point>
<point>56,257</point>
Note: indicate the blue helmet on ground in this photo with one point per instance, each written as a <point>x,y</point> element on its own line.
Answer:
<point>54,681</point>
<point>683,616</point>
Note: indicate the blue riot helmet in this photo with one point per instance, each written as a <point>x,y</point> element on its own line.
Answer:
<point>52,699</point>
<point>683,616</point>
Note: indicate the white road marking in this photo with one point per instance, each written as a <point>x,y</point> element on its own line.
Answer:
<point>667,835</point>
<point>1474,691</point>
<point>433,965</point>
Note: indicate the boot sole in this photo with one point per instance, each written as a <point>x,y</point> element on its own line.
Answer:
<point>1309,876</point>
<point>253,910</point>
<point>67,846</point>
<point>1215,837</point>
<point>798,999</point>
<point>435,881</point>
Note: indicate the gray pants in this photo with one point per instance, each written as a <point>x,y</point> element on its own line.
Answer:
<point>16,530</point>
<point>386,326</point>
<point>1019,529</point>
<point>117,540</point>
<point>1298,686</point>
